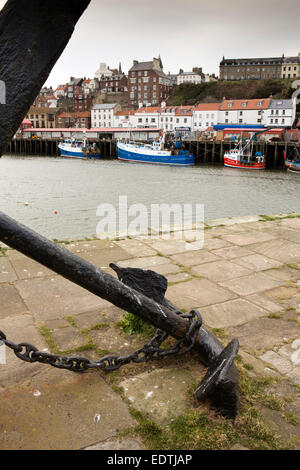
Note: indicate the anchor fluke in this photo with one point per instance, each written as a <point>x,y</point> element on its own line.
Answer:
<point>218,385</point>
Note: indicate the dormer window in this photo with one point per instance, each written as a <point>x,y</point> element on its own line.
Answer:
<point>229,105</point>
<point>244,105</point>
<point>259,104</point>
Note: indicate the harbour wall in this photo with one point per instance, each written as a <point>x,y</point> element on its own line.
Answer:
<point>206,152</point>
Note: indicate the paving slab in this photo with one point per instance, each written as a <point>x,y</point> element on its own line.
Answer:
<point>136,247</point>
<point>161,394</point>
<point>215,243</point>
<point>109,339</point>
<point>57,298</point>
<point>165,269</point>
<point>231,313</point>
<point>279,250</point>
<point>260,368</point>
<point>92,318</point>
<point>274,420</point>
<point>262,301</point>
<point>284,273</point>
<point>170,247</point>
<point>263,334</point>
<point>291,223</point>
<point>248,238</point>
<point>7,272</point>
<point>25,267</point>
<point>19,329</point>
<point>68,338</point>
<point>102,258</point>
<point>74,414</point>
<point>257,282</point>
<point>193,258</point>
<point>257,262</point>
<point>286,359</point>
<point>285,233</point>
<point>149,262</point>
<point>232,252</point>
<point>281,293</point>
<point>220,270</point>
<point>11,301</point>
<point>197,293</point>
<point>180,277</point>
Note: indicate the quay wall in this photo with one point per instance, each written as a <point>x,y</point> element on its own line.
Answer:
<point>206,152</point>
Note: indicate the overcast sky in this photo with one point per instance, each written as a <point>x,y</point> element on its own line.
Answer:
<point>186,33</point>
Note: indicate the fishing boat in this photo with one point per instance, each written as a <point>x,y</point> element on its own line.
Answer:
<point>156,152</point>
<point>293,161</point>
<point>242,157</point>
<point>72,148</point>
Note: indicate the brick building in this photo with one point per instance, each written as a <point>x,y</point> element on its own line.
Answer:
<point>81,120</point>
<point>77,99</point>
<point>147,83</point>
<point>117,83</point>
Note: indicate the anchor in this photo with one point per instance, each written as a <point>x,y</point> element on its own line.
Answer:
<point>33,34</point>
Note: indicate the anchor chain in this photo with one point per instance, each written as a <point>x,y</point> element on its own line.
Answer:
<point>152,350</point>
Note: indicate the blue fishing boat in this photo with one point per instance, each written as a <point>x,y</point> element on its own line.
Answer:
<point>155,153</point>
<point>72,148</point>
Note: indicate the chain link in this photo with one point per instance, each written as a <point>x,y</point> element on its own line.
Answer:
<point>150,351</point>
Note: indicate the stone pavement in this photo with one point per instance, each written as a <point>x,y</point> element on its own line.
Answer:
<point>245,282</point>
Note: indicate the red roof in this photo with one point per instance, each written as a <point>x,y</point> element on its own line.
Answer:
<point>149,110</point>
<point>208,106</point>
<point>228,105</point>
<point>26,122</point>
<point>128,112</point>
<point>184,111</point>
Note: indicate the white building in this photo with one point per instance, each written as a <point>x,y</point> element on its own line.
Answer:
<point>206,115</point>
<point>168,118</point>
<point>147,117</point>
<point>189,77</point>
<point>103,115</point>
<point>244,112</point>
<point>125,119</point>
<point>103,71</point>
<point>281,113</point>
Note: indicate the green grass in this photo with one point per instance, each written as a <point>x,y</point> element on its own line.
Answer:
<point>3,252</point>
<point>132,324</point>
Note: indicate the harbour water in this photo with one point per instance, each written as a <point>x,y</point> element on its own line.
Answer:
<point>59,197</point>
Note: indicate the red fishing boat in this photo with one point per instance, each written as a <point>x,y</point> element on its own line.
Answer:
<point>242,157</point>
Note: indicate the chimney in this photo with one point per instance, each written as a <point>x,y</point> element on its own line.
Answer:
<point>135,62</point>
